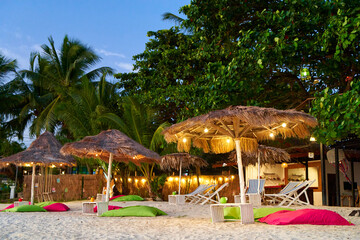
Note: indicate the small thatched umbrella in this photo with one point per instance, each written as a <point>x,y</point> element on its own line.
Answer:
<point>181,160</point>
<point>45,150</point>
<point>264,155</point>
<point>240,128</point>
<point>111,145</point>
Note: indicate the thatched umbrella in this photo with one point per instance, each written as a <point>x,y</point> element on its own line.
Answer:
<point>240,128</point>
<point>111,145</point>
<point>45,150</point>
<point>181,160</point>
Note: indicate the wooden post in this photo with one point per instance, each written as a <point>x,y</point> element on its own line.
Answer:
<point>323,175</point>
<point>240,169</point>
<point>352,183</point>
<point>337,178</point>
<point>180,177</point>
<point>109,177</point>
<point>32,184</point>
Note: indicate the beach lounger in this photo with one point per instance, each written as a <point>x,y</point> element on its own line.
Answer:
<point>292,196</point>
<point>200,189</point>
<point>278,197</point>
<point>208,196</point>
<point>255,192</point>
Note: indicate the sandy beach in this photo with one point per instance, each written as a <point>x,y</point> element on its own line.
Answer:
<point>182,222</point>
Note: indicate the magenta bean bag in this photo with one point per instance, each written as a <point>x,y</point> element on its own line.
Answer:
<point>305,216</point>
<point>109,208</point>
<point>56,207</point>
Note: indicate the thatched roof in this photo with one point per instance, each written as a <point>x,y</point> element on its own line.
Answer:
<point>44,150</point>
<point>123,148</point>
<point>268,155</point>
<point>172,161</point>
<point>217,130</point>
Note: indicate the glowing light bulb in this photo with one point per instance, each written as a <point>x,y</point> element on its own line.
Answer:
<point>184,140</point>
<point>312,139</point>
<point>136,180</point>
<point>228,140</point>
<point>7,164</point>
<point>271,135</point>
<point>283,125</point>
<point>176,179</point>
<point>170,179</point>
<point>206,130</point>
<point>115,179</point>
<point>129,179</point>
<point>220,178</point>
<point>143,180</point>
<point>232,176</point>
<point>226,179</point>
<point>183,180</point>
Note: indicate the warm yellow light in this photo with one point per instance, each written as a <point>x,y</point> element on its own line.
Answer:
<point>170,179</point>
<point>60,164</point>
<point>129,179</point>
<point>283,125</point>
<point>63,172</point>
<point>115,179</point>
<point>206,130</point>
<point>7,164</point>
<point>284,165</point>
<point>232,176</point>
<point>25,171</point>
<point>184,140</point>
<point>97,155</point>
<point>136,180</point>
<point>226,179</point>
<point>176,179</point>
<point>27,165</point>
<point>133,157</point>
<point>183,180</point>
<point>312,139</point>
<point>220,178</point>
<point>207,181</point>
<point>143,180</point>
<point>271,135</point>
<point>228,140</point>
<point>32,162</point>
<point>39,174</point>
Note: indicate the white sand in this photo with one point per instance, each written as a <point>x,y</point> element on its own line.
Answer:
<point>182,222</point>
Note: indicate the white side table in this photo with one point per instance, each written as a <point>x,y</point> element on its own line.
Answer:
<point>17,203</point>
<point>88,207</point>
<point>102,207</point>
<point>176,199</point>
<point>101,197</point>
<point>246,211</point>
<point>254,199</point>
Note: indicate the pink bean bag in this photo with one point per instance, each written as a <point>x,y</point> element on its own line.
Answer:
<point>305,216</point>
<point>116,197</point>
<point>10,206</point>
<point>109,208</point>
<point>56,207</point>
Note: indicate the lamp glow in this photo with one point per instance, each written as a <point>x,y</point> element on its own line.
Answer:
<point>312,139</point>
<point>206,130</point>
<point>129,179</point>
<point>271,135</point>
<point>284,165</point>
<point>220,178</point>
<point>136,180</point>
<point>184,140</point>
<point>283,125</point>
<point>228,140</point>
<point>143,180</point>
<point>170,179</point>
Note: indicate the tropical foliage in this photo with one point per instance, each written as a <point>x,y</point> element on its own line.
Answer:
<point>338,114</point>
<point>246,52</point>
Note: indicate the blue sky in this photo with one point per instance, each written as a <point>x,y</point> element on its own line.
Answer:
<point>116,30</point>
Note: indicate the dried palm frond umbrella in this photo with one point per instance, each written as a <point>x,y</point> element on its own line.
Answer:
<point>111,145</point>
<point>240,128</point>
<point>181,160</point>
<point>264,155</point>
<point>45,150</point>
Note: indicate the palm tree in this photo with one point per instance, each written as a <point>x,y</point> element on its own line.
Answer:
<point>56,73</point>
<point>6,66</point>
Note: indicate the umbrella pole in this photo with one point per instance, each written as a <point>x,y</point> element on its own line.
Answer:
<point>240,169</point>
<point>109,178</point>
<point>32,184</point>
<point>180,177</point>
<point>258,190</point>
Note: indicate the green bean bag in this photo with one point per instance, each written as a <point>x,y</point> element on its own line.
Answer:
<point>234,212</point>
<point>44,204</point>
<point>128,198</point>
<point>26,208</point>
<point>134,211</point>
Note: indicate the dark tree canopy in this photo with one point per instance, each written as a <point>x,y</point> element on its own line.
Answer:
<point>247,53</point>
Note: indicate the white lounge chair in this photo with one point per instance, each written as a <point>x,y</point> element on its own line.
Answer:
<point>292,196</point>
<point>278,197</point>
<point>255,192</point>
<point>200,189</point>
<point>207,197</point>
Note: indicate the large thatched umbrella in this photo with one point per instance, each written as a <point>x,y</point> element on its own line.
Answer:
<point>45,150</point>
<point>238,127</point>
<point>111,145</point>
<point>181,160</point>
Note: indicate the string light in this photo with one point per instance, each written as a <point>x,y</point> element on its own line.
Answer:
<point>220,178</point>
<point>206,130</point>
<point>232,176</point>
<point>283,125</point>
<point>176,179</point>
<point>136,180</point>
<point>129,179</point>
<point>228,140</point>
<point>312,139</point>
<point>271,135</point>
<point>170,179</point>
<point>143,180</point>
<point>184,140</point>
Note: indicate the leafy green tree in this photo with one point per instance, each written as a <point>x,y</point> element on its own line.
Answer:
<point>338,114</point>
<point>241,52</point>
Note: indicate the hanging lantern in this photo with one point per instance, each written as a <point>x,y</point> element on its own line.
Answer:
<point>305,74</point>
<point>284,165</point>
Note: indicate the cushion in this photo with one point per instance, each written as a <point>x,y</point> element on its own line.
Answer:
<point>8,207</point>
<point>128,198</point>
<point>305,216</point>
<point>110,207</point>
<point>26,208</point>
<point>44,204</point>
<point>134,211</point>
<point>115,197</point>
<point>234,212</point>
<point>56,207</point>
